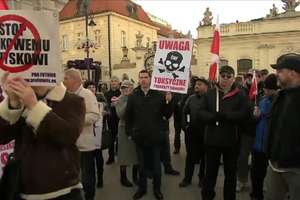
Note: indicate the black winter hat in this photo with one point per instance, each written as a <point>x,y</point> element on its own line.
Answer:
<point>203,80</point>
<point>226,69</point>
<point>288,61</point>
<point>271,82</point>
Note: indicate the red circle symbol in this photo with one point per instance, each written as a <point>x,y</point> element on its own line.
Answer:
<point>24,24</point>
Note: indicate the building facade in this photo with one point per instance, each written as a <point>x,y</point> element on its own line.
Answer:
<point>120,39</point>
<point>253,44</point>
<point>53,5</point>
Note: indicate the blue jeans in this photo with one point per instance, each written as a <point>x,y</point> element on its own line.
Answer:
<point>149,162</point>
<point>88,174</point>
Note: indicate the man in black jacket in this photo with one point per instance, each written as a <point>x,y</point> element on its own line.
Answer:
<point>113,119</point>
<point>194,133</point>
<point>221,138</point>
<point>145,114</point>
<point>283,149</point>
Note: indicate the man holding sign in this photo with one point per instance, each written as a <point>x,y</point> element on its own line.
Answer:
<point>145,114</point>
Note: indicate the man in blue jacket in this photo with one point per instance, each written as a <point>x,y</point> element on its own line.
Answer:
<point>259,157</point>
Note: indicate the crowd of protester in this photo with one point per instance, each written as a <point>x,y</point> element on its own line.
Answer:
<point>61,132</point>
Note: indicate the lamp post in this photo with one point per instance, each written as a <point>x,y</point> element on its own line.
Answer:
<point>87,45</point>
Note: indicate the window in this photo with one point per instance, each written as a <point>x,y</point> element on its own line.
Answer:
<point>123,39</point>
<point>223,62</point>
<point>97,37</point>
<point>79,36</point>
<point>243,66</point>
<point>65,42</point>
<point>148,42</point>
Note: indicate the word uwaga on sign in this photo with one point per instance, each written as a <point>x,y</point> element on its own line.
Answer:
<point>172,65</point>
<point>17,56</point>
<point>175,45</point>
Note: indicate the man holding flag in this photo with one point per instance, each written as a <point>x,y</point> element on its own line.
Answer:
<point>221,135</point>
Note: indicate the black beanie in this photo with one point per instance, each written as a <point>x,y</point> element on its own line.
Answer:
<point>271,82</point>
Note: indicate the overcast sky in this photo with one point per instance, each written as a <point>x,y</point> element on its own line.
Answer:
<point>185,15</point>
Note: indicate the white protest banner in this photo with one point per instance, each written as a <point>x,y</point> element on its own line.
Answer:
<point>172,65</point>
<point>29,46</point>
<point>5,151</point>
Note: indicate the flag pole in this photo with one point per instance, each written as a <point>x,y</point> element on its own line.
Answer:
<point>217,94</point>
<point>217,75</point>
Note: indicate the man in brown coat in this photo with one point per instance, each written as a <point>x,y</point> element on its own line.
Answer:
<point>45,123</point>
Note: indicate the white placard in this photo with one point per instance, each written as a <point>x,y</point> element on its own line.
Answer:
<point>172,65</point>
<point>29,46</point>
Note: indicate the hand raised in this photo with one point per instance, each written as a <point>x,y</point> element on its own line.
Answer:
<point>14,100</point>
<point>168,97</point>
<point>25,92</point>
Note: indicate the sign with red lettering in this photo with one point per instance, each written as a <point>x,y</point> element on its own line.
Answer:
<point>172,65</point>
<point>29,46</point>
<point>5,152</point>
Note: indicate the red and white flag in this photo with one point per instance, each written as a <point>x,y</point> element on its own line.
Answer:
<point>253,89</point>
<point>3,5</point>
<point>215,50</point>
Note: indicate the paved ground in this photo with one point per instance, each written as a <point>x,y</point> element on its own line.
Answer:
<point>113,190</point>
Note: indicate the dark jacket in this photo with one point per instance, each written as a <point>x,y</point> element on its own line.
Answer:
<point>113,119</point>
<point>284,129</point>
<point>145,117</point>
<point>248,126</point>
<point>178,101</point>
<point>232,111</point>
<point>45,141</point>
<point>191,108</point>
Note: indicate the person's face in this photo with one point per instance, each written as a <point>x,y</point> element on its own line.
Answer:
<point>248,80</point>
<point>69,82</point>
<point>126,90</point>
<point>200,87</point>
<point>263,77</point>
<point>144,80</point>
<point>114,84</point>
<point>226,80</point>
<point>92,88</point>
<point>284,77</point>
<point>259,78</point>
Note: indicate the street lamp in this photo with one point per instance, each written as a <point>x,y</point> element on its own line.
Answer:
<point>87,45</point>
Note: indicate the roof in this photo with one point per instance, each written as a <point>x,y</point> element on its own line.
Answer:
<point>121,7</point>
<point>167,31</point>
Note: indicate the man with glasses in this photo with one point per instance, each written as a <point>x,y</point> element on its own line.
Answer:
<point>222,109</point>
